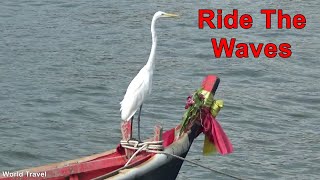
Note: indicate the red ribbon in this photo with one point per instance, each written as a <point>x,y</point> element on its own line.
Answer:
<point>215,133</point>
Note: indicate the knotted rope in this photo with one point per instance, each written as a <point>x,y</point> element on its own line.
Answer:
<point>157,148</point>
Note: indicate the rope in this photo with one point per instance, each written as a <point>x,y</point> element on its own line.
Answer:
<point>157,147</point>
<point>205,167</point>
<point>135,145</point>
<point>134,154</point>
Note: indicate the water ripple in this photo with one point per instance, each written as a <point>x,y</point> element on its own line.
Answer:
<point>64,67</point>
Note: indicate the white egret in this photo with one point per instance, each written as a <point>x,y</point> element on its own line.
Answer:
<point>141,85</point>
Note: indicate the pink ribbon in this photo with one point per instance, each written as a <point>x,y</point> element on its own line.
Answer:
<point>215,133</point>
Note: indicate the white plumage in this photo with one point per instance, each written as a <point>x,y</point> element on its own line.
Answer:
<point>136,93</point>
<point>141,85</point>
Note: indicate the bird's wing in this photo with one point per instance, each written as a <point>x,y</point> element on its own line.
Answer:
<point>135,95</point>
<point>137,84</point>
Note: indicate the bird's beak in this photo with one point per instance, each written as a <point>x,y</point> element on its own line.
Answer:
<point>170,15</point>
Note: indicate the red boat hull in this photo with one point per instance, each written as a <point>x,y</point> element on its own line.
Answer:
<point>98,165</point>
<point>110,164</point>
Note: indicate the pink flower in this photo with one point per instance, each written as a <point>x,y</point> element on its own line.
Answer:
<point>201,97</point>
<point>189,102</point>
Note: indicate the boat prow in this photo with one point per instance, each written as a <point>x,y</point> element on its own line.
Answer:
<point>113,164</point>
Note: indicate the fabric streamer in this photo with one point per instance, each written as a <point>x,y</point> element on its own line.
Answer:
<point>214,134</point>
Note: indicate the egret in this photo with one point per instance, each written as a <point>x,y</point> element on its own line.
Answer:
<point>140,86</point>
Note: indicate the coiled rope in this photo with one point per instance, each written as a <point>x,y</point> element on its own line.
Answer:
<point>157,148</point>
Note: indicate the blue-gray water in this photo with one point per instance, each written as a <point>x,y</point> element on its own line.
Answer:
<point>65,66</point>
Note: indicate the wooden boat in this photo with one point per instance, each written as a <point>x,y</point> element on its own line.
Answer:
<point>110,164</point>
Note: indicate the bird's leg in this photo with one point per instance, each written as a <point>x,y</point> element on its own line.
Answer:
<point>131,128</point>
<point>131,138</point>
<point>139,139</point>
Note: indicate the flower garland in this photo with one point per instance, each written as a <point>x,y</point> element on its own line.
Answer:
<point>201,106</point>
<point>193,105</point>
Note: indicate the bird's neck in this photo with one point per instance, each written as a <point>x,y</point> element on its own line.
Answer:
<point>150,64</point>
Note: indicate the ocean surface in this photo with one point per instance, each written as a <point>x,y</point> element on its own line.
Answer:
<point>65,66</point>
